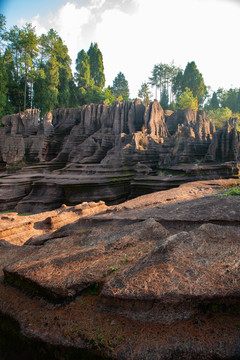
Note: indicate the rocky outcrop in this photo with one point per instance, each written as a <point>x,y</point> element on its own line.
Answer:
<point>225,145</point>
<point>97,152</point>
<point>156,277</point>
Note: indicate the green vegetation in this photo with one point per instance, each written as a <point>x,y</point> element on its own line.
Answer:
<point>144,93</point>
<point>120,87</point>
<point>235,191</point>
<point>219,116</point>
<point>187,100</point>
<point>223,105</point>
<point>35,72</point>
<point>162,78</point>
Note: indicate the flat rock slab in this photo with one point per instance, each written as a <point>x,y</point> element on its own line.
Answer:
<point>182,273</point>
<point>200,201</point>
<point>80,257</point>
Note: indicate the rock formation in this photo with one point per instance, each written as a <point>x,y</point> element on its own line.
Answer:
<point>156,277</point>
<point>97,152</point>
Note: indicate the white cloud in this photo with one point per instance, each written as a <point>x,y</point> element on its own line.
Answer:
<point>133,35</point>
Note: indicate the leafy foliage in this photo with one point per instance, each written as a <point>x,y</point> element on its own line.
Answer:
<point>220,116</point>
<point>192,79</point>
<point>187,100</point>
<point>234,191</point>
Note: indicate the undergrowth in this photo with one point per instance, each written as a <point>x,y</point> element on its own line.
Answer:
<point>231,191</point>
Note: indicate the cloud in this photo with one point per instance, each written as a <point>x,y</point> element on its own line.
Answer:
<point>97,9</point>
<point>237,2</point>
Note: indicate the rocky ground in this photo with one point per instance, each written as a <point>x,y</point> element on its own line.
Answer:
<point>156,277</point>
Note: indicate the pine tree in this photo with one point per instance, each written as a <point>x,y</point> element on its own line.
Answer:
<point>82,75</point>
<point>96,65</point>
<point>214,103</point>
<point>3,87</point>
<point>144,93</point>
<point>164,99</point>
<point>120,87</point>
<point>193,80</point>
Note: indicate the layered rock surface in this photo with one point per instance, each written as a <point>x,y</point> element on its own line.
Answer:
<point>156,277</point>
<point>96,152</point>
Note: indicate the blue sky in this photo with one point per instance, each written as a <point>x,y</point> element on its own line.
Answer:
<point>27,9</point>
<point>133,35</point>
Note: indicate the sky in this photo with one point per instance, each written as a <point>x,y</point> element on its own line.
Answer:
<point>134,35</point>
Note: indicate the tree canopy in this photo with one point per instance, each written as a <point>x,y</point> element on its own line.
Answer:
<point>191,78</point>
<point>120,87</point>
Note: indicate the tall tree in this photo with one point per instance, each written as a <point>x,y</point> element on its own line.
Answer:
<point>96,65</point>
<point>65,73</point>
<point>53,51</point>
<point>120,87</point>
<point>3,31</point>
<point>231,99</point>
<point>82,74</point>
<point>162,78</point>
<point>3,86</point>
<point>144,93</point>
<point>29,50</point>
<point>194,81</point>
<point>46,86</point>
<point>164,101</point>
<point>15,48</point>
<point>191,78</point>
<point>214,102</point>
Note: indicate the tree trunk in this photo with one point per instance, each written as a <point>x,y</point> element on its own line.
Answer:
<point>25,92</point>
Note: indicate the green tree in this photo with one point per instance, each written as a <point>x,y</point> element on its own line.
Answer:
<point>120,87</point>
<point>108,96</point>
<point>214,103</point>
<point>60,51</point>
<point>162,78</point>
<point>144,93</point>
<point>96,65</point>
<point>29,51</point>
<point>83,75</point>
<point>187,100</point>
<point>3,87</point>
<point>219,116</point>
<point>3,31</point>
<point>193,80</point>
<point>164,101</point>
<point>231,99</point>
<point>53,54</point>
<point>178,84</point>
<point>14,68</point>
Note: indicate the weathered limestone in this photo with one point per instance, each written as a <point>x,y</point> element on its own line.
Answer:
<point>102,149</point>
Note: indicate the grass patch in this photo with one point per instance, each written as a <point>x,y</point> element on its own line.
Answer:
<point>234,191</point>
<point>7,211</point>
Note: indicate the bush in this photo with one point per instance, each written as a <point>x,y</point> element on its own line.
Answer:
<point>187,100</point>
